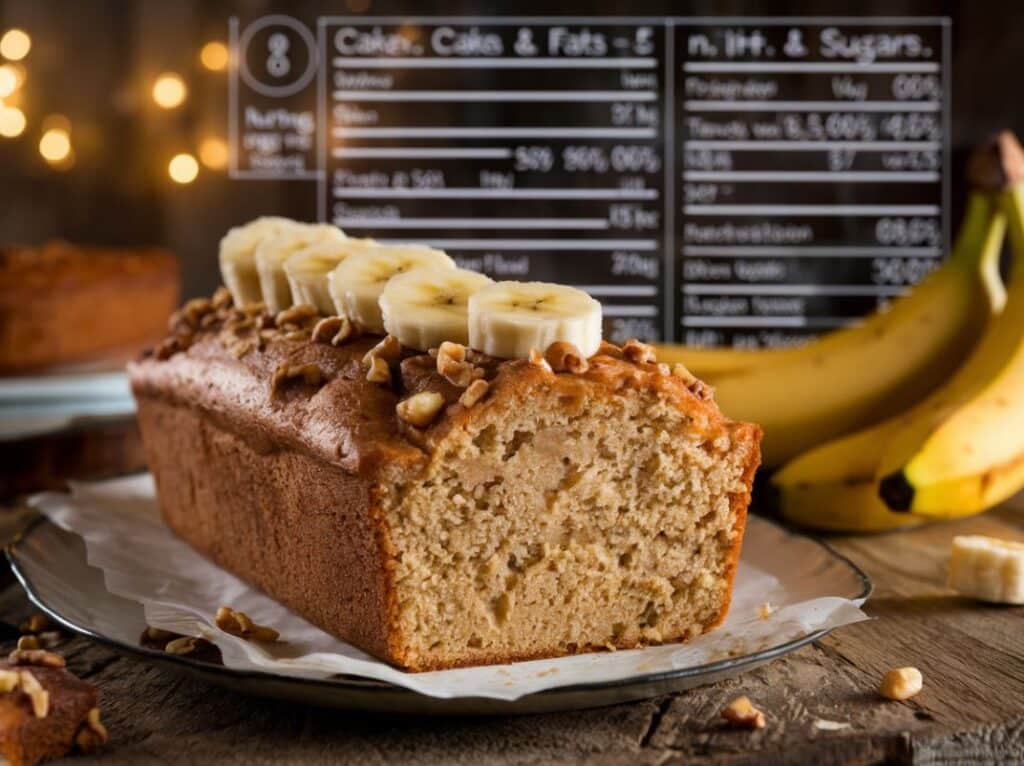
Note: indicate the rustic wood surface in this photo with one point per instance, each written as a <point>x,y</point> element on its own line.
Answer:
<point>821,701</point>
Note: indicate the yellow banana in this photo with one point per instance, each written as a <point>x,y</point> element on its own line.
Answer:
<point>865,374</point>
<point>841,506</point>
<point>967,453</point>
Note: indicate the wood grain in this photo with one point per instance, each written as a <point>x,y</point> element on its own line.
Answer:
<point>821,702</point>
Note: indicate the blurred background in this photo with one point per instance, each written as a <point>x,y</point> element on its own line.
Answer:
<point>100,96</point>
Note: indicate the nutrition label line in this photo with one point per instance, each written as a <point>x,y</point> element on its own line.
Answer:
<point>767,251</point>
<point>542,244</point>
<point>495,63</point>
<point>473,223</point>
<point>438,132</point>
<point>812,106</point>
<point>788,146</point>
<point>494,95</point>
<point>817,67</point>
<point>811,210</point>
<point>826,176</point>
<point>468,193</point>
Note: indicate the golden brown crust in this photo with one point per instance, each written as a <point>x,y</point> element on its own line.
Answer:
<point>282,483</point>
<point>61,304</point>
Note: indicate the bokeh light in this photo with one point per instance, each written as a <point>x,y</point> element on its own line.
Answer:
<point>12,121</point>
<point>214,56</point>
<point>9,80</point>
<point>213,153</point>
<point>55,145</point>
<point>183,168</point>
<point>15,44</point>
<point>169,90</point>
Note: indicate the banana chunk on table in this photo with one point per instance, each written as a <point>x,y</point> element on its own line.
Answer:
<point>988,569</point>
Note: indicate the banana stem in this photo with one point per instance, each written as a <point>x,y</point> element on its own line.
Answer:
<point>966,250</point>
<point>1013,205</point>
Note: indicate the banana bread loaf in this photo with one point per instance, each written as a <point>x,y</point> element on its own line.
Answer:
<point>62,304</point>
<point>553,505</point>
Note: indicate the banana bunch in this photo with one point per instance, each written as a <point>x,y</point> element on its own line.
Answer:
<point>413,292</point>
<point>960,449</point>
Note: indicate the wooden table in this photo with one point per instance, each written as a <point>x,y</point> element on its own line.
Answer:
<point>821,702</point>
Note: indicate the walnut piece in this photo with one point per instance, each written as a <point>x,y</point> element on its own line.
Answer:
<point>92,734</point>
<point>639,353</point>
<point>39,697</point>
<point>296,315</point>
<point>741,713</point>
<point>8,681</point>
<point>35,657</point>
<point>565,357</point>
<point>680,370</point>
<point>29,642</point>
<point>389,349</point>
<point>37,623</point>
<point>334,330</point>
<point>420,409</point>
<point>310,374</point>
<point>452,364</point>
<point>901,683</point>
<point>378,372</point>
<point>537,358</point>
<point>477,390</point>
<point>241,625</point>
<point>222,298</point>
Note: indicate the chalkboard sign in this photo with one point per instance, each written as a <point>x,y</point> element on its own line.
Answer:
<point>739,181</point>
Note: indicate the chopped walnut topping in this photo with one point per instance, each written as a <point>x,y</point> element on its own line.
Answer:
<point>209,321</point>
<point>37,623</point>
<point>264,322</point>
<point>183,645</point>
<point>158,635</point>
<point>420,409</point>
<point>452,364</point>
<point>664,369</point>
<point>741,713</point>
<point>565,357</point>
<point>334,330</point>
<point>241,625</point>
<point>36,693</point>
<point>310,374</point>
<point>639,353</point>
<point>169,347</point>
<point>379,372</point>
<point>29,642</point>
<point>222,298</point>
<point>236,325</point>
<point>476,391</point>
<point>297,335</point>
<point>8,681</point>
<point>901,683</point>
<point>609,349</point>
<point>35,657</point>
<point>296,315</point>
<point>92,735</point>
<point>254,309</point>
<point>537,358</point>
<point>388,349</point>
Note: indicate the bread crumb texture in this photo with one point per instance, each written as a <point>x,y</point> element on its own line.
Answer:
<point>548,524</point>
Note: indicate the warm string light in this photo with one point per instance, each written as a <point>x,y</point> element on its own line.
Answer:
<point>9,80</point>
<point>169,90</point>
<point>213,153</point>
<point>214,56</point>
<point>15,44</point>
<point>12,121</point>
<point>55,144</point>
<point>183,168</point>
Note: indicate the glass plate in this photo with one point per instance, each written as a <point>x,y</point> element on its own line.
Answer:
<point>51,565</point>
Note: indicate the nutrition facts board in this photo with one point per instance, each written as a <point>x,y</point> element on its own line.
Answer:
<point>727,181</point>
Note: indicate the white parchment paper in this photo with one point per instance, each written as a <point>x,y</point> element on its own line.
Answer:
<point>808,587</point>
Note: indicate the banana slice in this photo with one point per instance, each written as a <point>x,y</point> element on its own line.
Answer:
<point>358,281</point>
<point>987,568</point>
<point>508,319</point>
<point>237,266</point>
<point>272,252</point>
<point>427,306</point>
<point>308,268</point>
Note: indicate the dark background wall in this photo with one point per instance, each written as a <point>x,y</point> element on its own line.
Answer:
<point>94,61</point>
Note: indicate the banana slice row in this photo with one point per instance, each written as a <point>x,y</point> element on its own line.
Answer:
<point>413,292</point>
